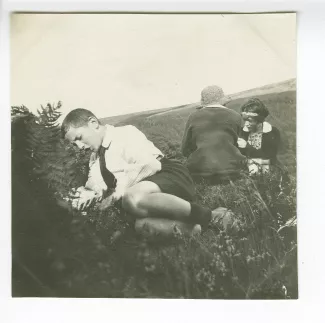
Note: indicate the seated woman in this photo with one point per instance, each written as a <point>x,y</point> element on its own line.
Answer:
<point>259,140</point>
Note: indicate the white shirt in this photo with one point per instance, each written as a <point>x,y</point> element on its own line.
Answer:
<point>131,157</point>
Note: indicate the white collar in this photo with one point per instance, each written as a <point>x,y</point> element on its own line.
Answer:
<point>267,127</point>
<point>214,105</point>
<point>108,137</point>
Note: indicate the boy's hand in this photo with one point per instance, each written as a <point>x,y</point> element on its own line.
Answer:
<point>83,198</point>
<point>242,143</point>
<point>86,202</point>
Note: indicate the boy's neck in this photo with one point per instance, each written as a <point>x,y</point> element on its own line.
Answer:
<point>102,132</point>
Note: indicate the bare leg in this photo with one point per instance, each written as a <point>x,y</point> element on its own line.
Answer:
<point>165,228</point>
<point>145,199</point>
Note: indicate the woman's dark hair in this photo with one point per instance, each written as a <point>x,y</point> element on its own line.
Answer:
<point>255,105</point>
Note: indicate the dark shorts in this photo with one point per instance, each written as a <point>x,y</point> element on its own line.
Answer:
<point>174,179</point>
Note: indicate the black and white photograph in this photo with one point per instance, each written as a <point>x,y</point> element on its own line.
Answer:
<point>153,155</point>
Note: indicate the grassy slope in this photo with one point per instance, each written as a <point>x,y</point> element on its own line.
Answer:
<point>286,86</point>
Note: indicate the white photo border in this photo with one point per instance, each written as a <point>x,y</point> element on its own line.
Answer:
<point>310,159</point>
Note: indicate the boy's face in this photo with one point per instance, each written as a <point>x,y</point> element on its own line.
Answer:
<point>88,136</point>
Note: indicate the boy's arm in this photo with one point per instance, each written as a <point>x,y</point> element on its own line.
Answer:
<point>94,182</point>
<point>140,160</point>
<point>83,196</point>
<point>118,193</point>
<point>121,185</point>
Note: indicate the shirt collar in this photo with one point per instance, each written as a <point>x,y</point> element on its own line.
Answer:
<point>212,105</point>
<point>267,127</point>
<point>108,137</point>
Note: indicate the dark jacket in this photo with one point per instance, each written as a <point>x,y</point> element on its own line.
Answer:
<point>269,146</point>
<point>210,142</point>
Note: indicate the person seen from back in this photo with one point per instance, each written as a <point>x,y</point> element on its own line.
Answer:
<point>210,139</point>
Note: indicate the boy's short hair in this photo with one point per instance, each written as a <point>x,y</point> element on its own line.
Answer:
<point>257,107</point>
<point>76,118</point>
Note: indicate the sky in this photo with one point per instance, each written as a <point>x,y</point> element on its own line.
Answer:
<point>114,64</point>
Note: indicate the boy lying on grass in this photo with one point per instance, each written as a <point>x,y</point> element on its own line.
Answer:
<point>157,192</point>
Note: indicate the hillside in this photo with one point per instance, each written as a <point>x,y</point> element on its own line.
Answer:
<point>285,86</point>
<point>121,118</point>
<point>280,87</point>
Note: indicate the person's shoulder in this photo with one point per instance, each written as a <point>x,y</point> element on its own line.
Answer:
<point>195,114</point>
<point>128,131</point>
<point>221,113</point>
<point>233,112</point>
<point>231,115</point>
<point>270,130</point>
<point>275,131</point>
<point>268,127</point>
<point>127,127</point>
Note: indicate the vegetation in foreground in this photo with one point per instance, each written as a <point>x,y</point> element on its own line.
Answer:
<point>61,253</point>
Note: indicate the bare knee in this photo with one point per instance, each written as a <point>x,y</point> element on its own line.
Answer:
<point>132,203</point>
